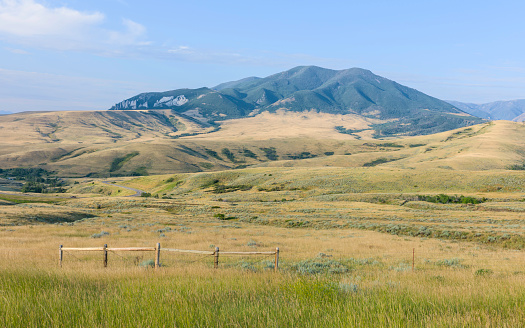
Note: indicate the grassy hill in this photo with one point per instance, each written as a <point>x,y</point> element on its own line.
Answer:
<point>123,143</point>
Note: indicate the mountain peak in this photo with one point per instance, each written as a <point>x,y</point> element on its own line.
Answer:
<point>353,91</point>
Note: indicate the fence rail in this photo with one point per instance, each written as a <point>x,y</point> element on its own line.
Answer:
<point>157,249</point>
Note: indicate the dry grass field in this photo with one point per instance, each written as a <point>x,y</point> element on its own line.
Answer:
<point>348,238</point>
<point>423,231</point>
<point>125,143</point>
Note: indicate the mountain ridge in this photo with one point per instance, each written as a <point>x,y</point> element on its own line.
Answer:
<point>404,111</point>
<point>497,110</point>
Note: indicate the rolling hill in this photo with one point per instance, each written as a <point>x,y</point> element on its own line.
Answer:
<point>397,109</point>
<point>140,142</point>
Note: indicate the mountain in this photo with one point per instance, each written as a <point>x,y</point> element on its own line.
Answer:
<point>4,112</point>
<point>397,109</point>
<point>498,110</point>
<point>231,84</point>
<point>520,118</point>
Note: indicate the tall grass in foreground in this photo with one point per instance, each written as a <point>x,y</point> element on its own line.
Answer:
<point>233,298</point>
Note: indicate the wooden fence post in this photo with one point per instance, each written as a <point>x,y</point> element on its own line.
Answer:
<point>216,260</point>
<point>105,255</point>
<point>413,258</point>
<point>157,256</point>
<point>60,255</point>
<point>277,259</point>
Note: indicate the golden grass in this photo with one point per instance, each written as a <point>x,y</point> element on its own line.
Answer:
<point>82,143</point>
<point>313,217</point>
<point>357,227</point>
<point>284,124</point>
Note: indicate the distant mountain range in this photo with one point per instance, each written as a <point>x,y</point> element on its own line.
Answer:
<point>399,109</point>
<point>4,112</point>
<point>513,110</point>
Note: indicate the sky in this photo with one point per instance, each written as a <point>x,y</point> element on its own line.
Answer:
<point>89,55</point>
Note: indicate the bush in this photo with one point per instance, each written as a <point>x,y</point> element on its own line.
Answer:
<point>223,217</point>
<point>320,265</point>
<point>147,264</point>
<point>270,153</point>
<point>226,152</point>
<point>454,263</point>
<point>249,153</point>
<point>483,272</point>
<point>517,167</point>
<point>100,234</point>
<point>446,199</point>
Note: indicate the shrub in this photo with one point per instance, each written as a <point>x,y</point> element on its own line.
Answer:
<point>249,153</point>
<point>223,217</point>
<point>381,160</point>
<point>320,265</point>
<point>213,153</point>
<point>226,152</point>
<point>147,264</point>
<point>446,199</point>
<point>517,167</point>
<point>270,153</point>
<point>483,272</point>
<point>100,234</point>
<point>455,263</point>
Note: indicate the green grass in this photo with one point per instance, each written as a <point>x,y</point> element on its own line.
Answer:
<point>28,199</point>
<point>119,161</point>
<point>517,167</point>
<point>379,161</point>
<point>142,298</point>
<point>270,153</point>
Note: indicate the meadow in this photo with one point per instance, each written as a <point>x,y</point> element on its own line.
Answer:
<point>359,247</point>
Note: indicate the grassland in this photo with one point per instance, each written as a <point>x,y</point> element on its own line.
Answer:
<point>351,217</point>
<point>126,143</point>
<point>347,238</point>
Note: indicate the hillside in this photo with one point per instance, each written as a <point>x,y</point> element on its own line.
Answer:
<point>490,146</point>
<point>498,110</point>
<point>123,143</point>
<point>402,111</point>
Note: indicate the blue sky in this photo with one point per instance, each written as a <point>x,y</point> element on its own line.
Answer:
<point>82,55</point>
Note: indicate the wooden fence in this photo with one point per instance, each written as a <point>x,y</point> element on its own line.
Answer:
<point>105,249</point>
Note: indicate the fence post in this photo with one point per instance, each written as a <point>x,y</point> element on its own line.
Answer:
<point>216,260</point>
<point>157,256</point>
<point>413,258</point>
<point>60,255</point>
<point>277,259</point>
<point>105,255</point>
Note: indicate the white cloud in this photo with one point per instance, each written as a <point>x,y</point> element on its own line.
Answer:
<point>34,24</point>
<point>27,18</point>
<point>131,36</point>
